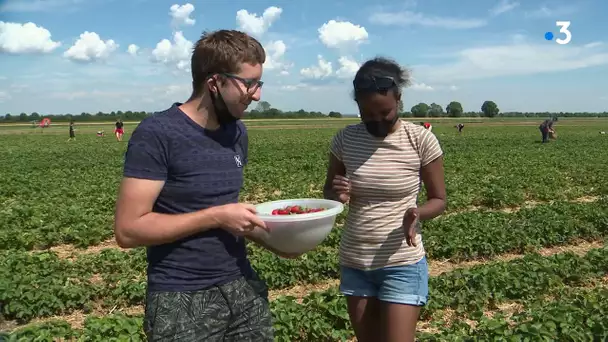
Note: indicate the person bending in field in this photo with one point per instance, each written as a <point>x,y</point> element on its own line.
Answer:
<point>546,127</point>
<point>460,126</point>
<point>119,131</point>
<point>378,166</point>
<point>72,133</point>
<point>183,172</point>
<point>427,125</point>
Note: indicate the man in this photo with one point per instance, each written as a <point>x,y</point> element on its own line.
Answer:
<point>460,126</point>
<point>546,127</point>
<point>179,197</point>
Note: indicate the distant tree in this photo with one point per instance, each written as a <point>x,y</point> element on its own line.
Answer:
<point>454,109</point>
<point>263,106</point>
<point>435,110</point>
<point>334,115</point>
<point>400,109</point>
<point>490,109</point>
<point>420,110</point>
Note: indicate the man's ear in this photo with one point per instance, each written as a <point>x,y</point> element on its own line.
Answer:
<point>212,83</point>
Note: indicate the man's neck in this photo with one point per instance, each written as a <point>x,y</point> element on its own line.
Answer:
<point>201,111</point>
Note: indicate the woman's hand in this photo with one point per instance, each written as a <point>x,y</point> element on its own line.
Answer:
<point>341,186</point>
<point>410,221</point>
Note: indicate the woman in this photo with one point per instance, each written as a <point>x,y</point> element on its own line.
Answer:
<point>378,166</point>
<point>119,131</point>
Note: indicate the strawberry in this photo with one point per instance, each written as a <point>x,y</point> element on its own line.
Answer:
<point>296,209</point>
<point>275,212</point>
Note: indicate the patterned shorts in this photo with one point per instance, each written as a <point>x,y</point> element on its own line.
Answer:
<point>235,311</point>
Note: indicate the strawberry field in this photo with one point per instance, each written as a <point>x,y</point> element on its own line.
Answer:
<point>520,253</point>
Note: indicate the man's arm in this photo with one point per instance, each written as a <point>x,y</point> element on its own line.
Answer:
<point>136,225</point>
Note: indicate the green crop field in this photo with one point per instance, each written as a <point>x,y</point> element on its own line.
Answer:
<point>520,253</point>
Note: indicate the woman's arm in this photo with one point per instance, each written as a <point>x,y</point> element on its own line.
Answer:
<point>432,176</point>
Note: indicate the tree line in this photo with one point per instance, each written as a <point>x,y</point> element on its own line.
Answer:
<point>264,110</point>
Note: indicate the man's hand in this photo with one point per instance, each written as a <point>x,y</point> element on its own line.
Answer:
<point>410,221</point>
<point>238,218</point>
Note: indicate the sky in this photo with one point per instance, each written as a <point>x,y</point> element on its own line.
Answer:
<point>73,56</point>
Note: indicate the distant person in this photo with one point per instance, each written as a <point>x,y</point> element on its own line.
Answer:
<point>101,133</point>
<point>460,126</point>
<point>119,131</point>
<point>72,134</point>
<point>383,266</point>
<point>427,125</point>
<point>546,128</point>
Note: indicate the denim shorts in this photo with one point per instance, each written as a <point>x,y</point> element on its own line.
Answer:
<point>407,284</point>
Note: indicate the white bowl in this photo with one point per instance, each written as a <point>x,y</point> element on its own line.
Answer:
<point>299,233</point>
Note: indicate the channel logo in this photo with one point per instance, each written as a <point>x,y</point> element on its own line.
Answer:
<point>563,28</point>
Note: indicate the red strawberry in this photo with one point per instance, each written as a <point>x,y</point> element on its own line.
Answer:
<point>275,212</point>
<point>296,209</point>
<point>283,212</point>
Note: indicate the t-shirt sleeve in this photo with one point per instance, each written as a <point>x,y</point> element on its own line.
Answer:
<point>336,144</point>
<point>146,156</point>
<point>429,147</point>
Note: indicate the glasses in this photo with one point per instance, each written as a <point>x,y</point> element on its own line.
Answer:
<point>374,83</point>
<point>251,83</point>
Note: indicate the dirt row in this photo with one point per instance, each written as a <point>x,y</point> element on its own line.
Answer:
<point>436,267</point>
<point>71,252</point>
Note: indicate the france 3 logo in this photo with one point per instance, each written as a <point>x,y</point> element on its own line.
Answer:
<point>564,29</point>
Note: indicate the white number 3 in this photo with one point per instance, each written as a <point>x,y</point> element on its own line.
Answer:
<point>564,29</point>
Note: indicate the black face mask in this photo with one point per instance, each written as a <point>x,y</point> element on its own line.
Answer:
<point>380,129</point>
<point>224,117</point>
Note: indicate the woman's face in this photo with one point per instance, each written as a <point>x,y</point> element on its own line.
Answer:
<point>379,112</point>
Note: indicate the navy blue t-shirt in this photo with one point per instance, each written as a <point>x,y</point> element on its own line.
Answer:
<point>201,169</point>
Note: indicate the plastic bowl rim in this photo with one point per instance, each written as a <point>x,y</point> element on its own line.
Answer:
<point>335,211</point>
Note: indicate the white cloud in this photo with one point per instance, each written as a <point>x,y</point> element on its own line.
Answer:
<point>275,50</point>
<point>90,47</point>
<point>554,12</point>
<point>342,34</point>
<point>176,53</point>
<point>16,38</point>
<point>593,45</point>
<point>255,25</point>
<point>181,14</point>
<point>453,88</point>
<point>348,67</point>
<point>132,49</point>
<point>421,87</point>
<point>4,96</point>
<point>503,6</point>
<point>323,69</point>
<point>284,73</point>
<point>513,59</point>
<point>409,18</point>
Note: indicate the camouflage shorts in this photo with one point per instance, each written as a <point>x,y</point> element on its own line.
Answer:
<point>235,311</point>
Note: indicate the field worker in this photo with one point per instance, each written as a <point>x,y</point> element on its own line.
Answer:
<point>179,195</point>
<point>460,126</point>
<point>118,130</point>
<point>378,166</point>
<point>427,125</point>
<point>547,127</point>
<point>101,133</point>
<point>72,133</point>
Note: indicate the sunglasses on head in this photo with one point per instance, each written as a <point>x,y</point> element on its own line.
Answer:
<point>374,83</point>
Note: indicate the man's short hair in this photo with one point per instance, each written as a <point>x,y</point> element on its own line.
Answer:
<point>223,51</point>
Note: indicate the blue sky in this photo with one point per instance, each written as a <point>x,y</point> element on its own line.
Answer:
<point>73,56</point>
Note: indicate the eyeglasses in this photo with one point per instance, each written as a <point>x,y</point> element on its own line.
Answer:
<point>251,83</point>
<point>374,83</point>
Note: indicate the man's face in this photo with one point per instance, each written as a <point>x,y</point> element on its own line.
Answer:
<point>239,89</point>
